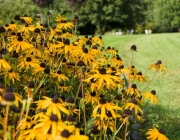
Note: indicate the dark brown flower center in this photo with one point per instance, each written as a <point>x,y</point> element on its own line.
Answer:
<point>102,71</point>
<point>153,92</point>
<point>161,131</point>
<point>54,118</point>
<point>70,100</point>
<point>20,38</point>
<point>159,62</point>
<point>139,73</point>
<point>134,86</point>
<point>59,72</point>
<point>65,133</point>
<point>47,71</point>
<point>85,50</point>
<point>42,65</point>
<point>30,84</point>
<point>28,59</point>
<point>134,102</point>
<point>133,47</point>
<point>81,63</point>
<point>102,101</point>
<point>118,97</point>
<point>70,118</point>
<point>93,94</point>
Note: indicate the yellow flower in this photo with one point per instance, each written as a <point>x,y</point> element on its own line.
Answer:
<point>28,62</point>
<point>155,134</point>
<point>152,96</point>
<point>49,123</point>
<point>138,76</point>
<point>53,105</point>
<point>158,66</point>
<point>133,91</point>
<point>3,64</point>
<point>27,19</point>
<point>91,97</point>
<point>12,75</point>
<point>116,61</point>
<point>18,44</point>
<point>105,106</point>
<point>12,26</point>
<point>59,18</point>
<point>111,51</point>
<point>26,28</point>
<point>104,79</point>
<point>59,76</point>
<point>87,57</point>
<point>97,40</point>
<point>133,105</point>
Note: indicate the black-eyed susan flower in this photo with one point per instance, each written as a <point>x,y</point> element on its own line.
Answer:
<point>27,19</point>
<point>39,68</point>
<point>19,44</point>
<point>59,75</point>
<point>105,106</point>
<point>151,96</point>
<point>155,134</point>
<point>133,106</point>
<point>49,122</point>
<point>27,62</point>
<point>138,76</point>
<point>93,84</point>
<point>87,57</point>
<point>116,61</point>
<point>133,90</point>
<point>158,66</point>
<point>53,105</point>
<point>91,97</point>
<point>12,76</point>
<point>4,65</point>
<point>104,79</point>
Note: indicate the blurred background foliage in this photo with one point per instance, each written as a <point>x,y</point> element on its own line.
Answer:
<point>101,16</point>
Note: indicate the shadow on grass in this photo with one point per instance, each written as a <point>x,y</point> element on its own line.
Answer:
<point>164,118</point>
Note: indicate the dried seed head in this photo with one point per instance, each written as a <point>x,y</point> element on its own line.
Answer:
<point>70,118</point>
<point>133,48</point>
<point>9,97</point>
<point>118,97</point>
<point>69,100</point>
<point>30,84</point>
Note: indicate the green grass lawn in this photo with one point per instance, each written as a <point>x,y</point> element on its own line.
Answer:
<point>150,48</point>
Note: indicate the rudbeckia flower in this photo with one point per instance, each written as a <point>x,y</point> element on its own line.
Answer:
<point>39,68</point>
<point>3,64</point>
<point>27,28</point>
<point>18,44</point>
<point>133,90</point>
<point>59,18</point>
<point>12,26</point>
<point>49,122</point>
<point>116,61</point>
<point>27,62</point>
<point>155,134</point>
<point>133,105</point>
<point>152,96</point>
<point>104,79</point>
<point>104,106</point>
<point>60,77</point>
<point>91,97</point>
<point>12,75</point>
<point>87,57</point>
<point>158,66</point>
<point>97,40</point>
<point>138,76</point>
<point>53,105</point>
<point>27,19</point>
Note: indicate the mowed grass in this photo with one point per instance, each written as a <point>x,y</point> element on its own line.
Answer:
<point>150,48</point>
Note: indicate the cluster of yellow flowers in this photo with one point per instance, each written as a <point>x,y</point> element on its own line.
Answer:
<point>56,86</point>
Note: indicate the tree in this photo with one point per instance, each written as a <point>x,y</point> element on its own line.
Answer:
<point>167,17</point>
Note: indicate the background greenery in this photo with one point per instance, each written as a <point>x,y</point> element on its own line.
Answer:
<point>100,16</point>
<point>150,48</point>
